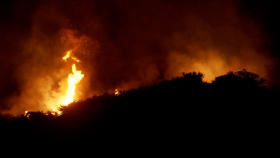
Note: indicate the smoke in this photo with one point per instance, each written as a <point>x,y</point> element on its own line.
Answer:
<point>217,45</point>
<point>122,44</point>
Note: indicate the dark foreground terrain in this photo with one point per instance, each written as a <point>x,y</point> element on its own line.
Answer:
<point>234,113</point>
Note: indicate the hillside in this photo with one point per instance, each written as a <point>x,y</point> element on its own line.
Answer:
<point>235,109</point>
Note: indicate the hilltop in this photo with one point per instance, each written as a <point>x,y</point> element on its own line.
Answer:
<point>235,109</point>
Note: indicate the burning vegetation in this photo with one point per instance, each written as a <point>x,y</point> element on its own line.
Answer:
<point>73,79</point>
<point>122,45</point>
<point>235,107</point>
<point>76,74</point>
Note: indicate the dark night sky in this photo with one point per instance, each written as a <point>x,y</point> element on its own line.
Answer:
<point>127,44</point>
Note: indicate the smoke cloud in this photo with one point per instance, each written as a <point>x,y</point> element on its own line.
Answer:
<point>121,44</point>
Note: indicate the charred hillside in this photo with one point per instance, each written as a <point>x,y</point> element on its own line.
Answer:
<point>236,108</point>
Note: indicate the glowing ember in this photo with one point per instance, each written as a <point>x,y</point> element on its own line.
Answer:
<point>56,110</point>
<point>116,92</point>
<point>26,114</point>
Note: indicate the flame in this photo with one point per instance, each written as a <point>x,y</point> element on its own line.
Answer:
<point>56,111</point>
<point>26,114</point>
<point>73,79</point>
<point>116,92</point>
<point>68,55</point>
<point>74,58</point>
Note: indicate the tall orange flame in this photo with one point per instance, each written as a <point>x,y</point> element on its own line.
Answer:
<point>73,79</point>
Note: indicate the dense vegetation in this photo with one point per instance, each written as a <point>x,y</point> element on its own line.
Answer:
<point>236,109</point>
